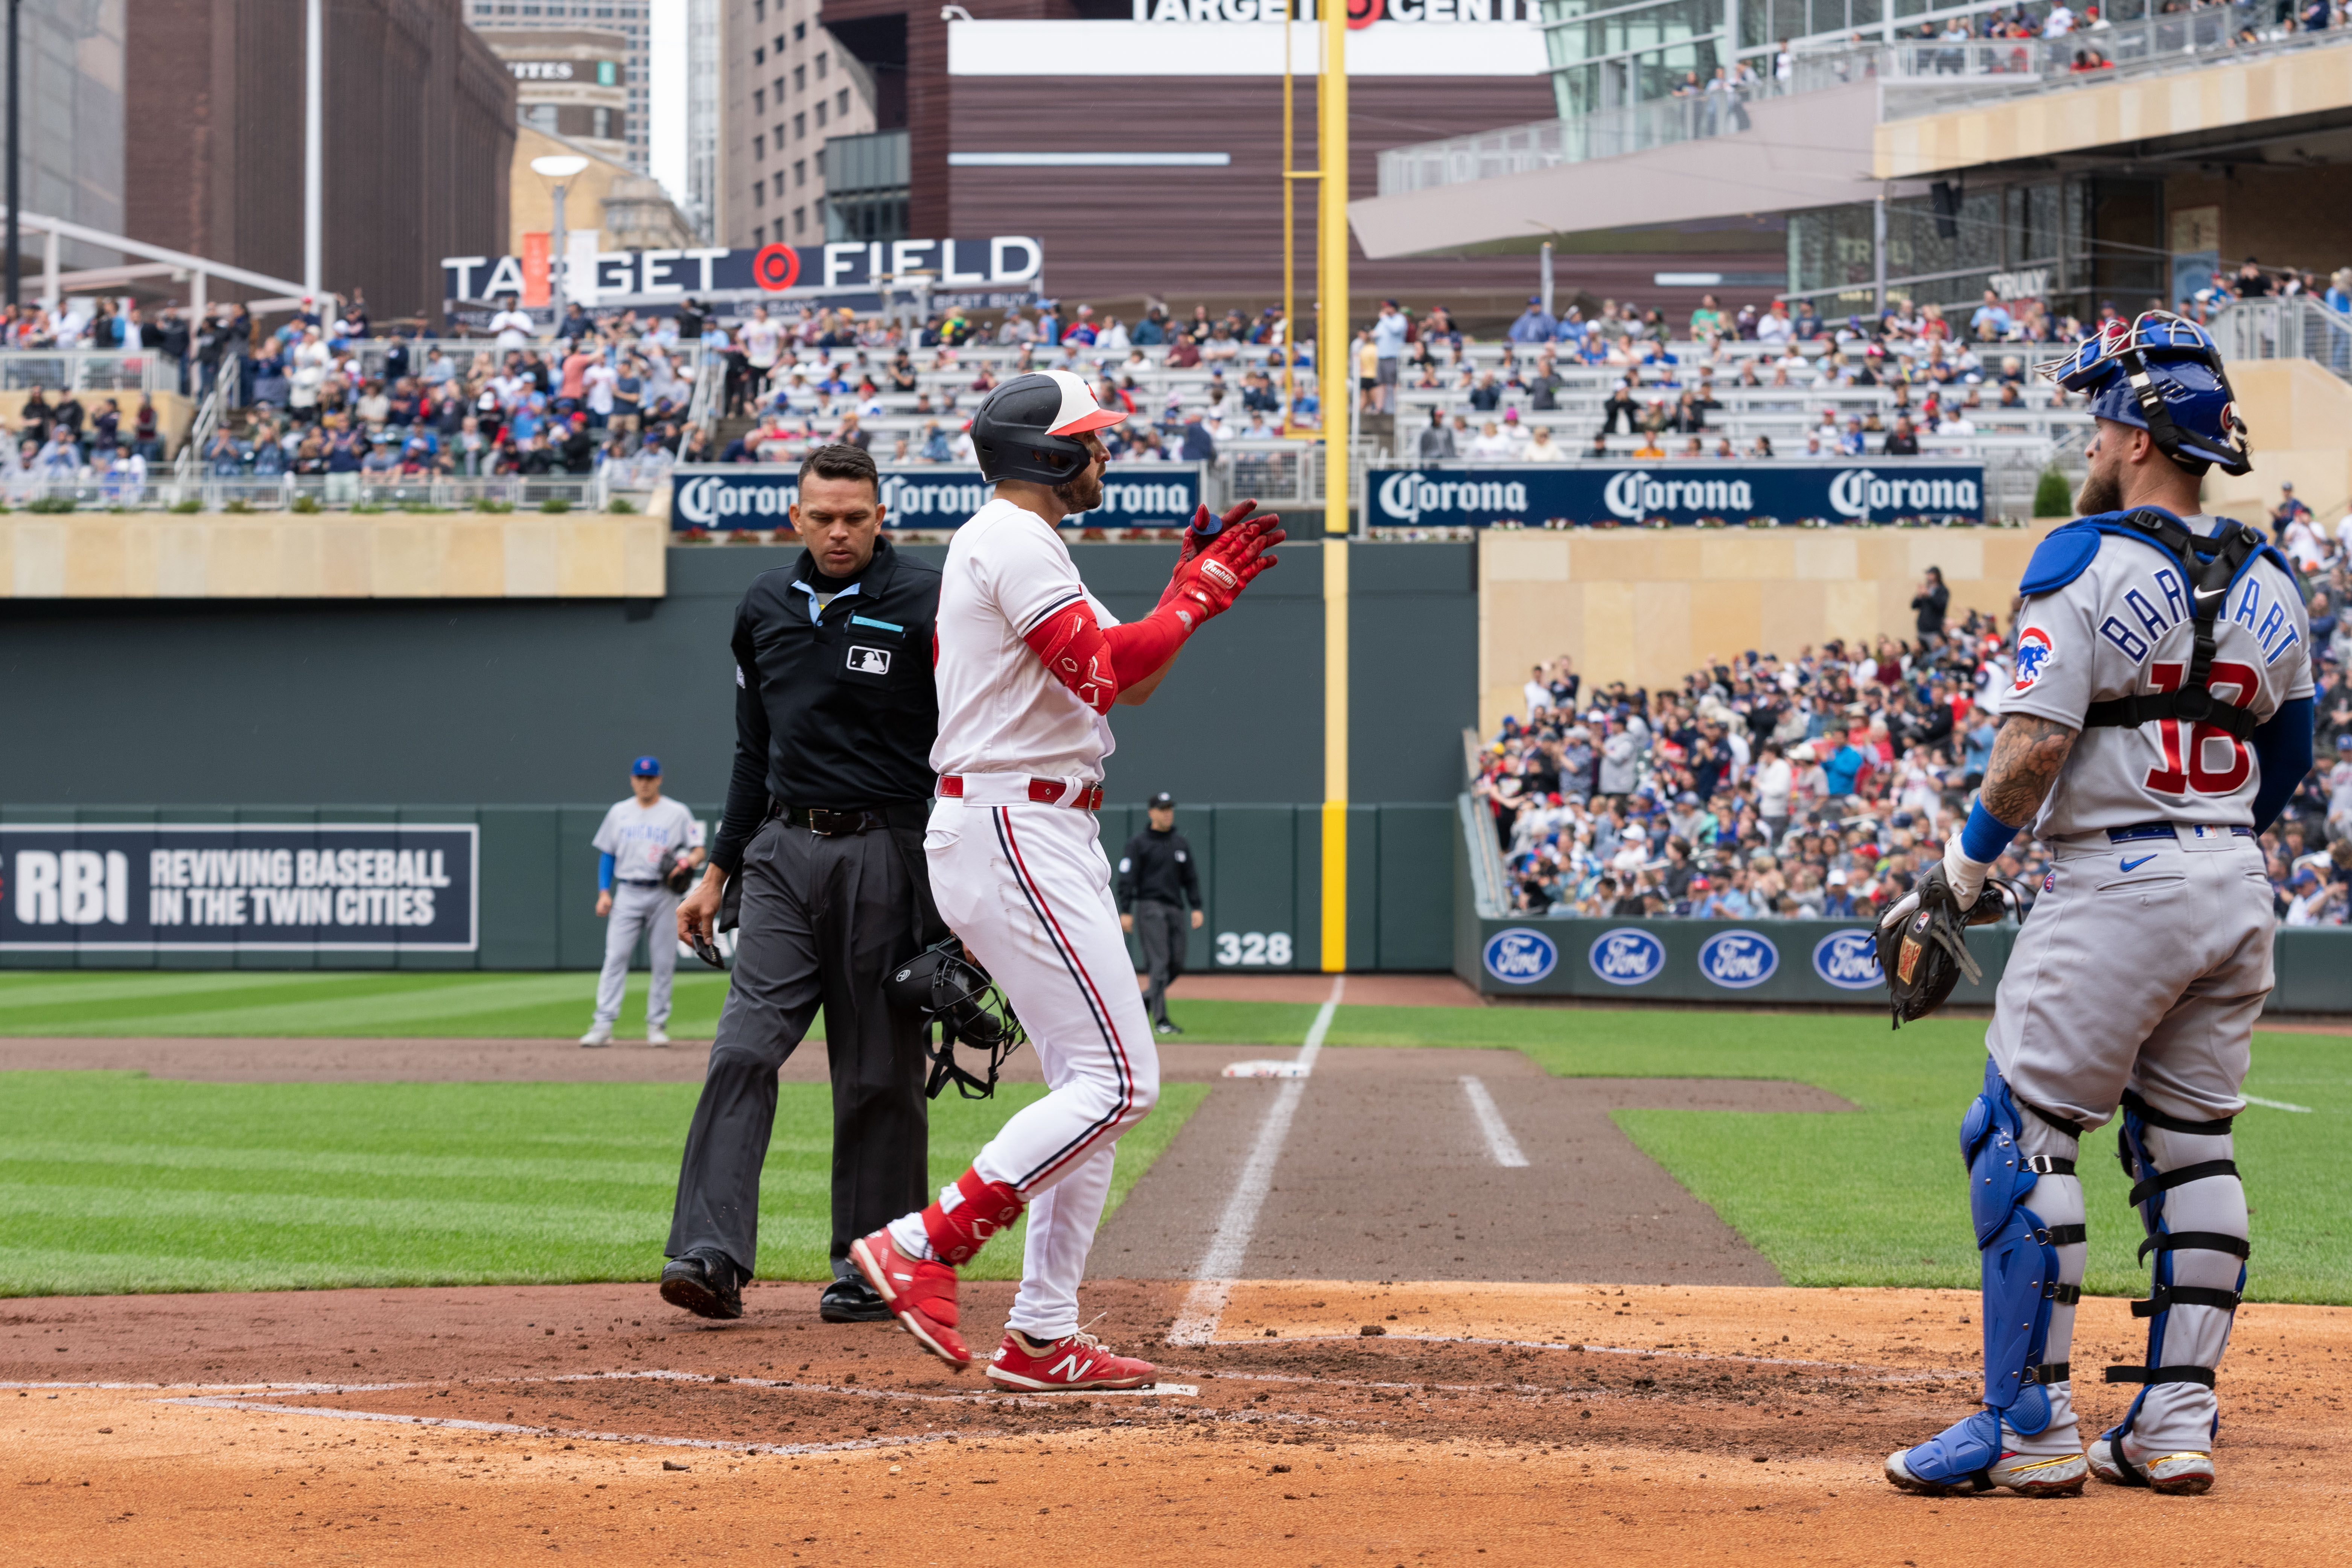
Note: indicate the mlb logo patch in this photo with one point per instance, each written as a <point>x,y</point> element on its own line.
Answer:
<point>870,660</point>
<point>2034,652</point>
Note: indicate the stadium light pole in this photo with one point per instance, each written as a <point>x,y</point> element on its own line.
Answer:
<point>556,168</point>
<point>16,160</point>
<point>314,149</point>
<point>1334,378</point>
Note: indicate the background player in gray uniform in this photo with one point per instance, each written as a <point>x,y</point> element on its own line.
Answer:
<point>2136,980</point>
<point>641,843</point>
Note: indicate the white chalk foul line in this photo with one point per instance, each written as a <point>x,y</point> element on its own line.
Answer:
<point>1204,1303</point>
<point>2276,1104</point>
<point>1499,1141</point>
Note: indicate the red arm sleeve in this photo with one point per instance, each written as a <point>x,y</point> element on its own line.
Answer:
<point>1095,662</point>
<point>1075,654</point>
<point>1138,648</point>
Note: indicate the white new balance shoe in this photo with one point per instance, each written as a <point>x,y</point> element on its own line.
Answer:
<point>597,1035</point>
<point>654,1037</point>
<point>2187,1473</point>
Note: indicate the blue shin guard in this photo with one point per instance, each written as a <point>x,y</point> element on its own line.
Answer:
<point>2186,1187</point>
<point>2021,1289</point>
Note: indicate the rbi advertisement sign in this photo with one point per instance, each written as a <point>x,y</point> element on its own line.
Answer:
<point>1537,493</point>
<point>238,888</point>
<point>760,496</point>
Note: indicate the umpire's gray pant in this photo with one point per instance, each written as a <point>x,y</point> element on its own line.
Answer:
<point>825,921</point>
<point>639,909</point>
<point>1160,929</point>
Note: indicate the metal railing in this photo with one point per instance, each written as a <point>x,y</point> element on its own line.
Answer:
<point>321,493</point>
<point>88,370</point>
<point>2299,327</point>
<point>1915,76</point>
<point>1931,76</point>
<point>209,414</point>
<point>1613,131</point>
<point>709,390</point>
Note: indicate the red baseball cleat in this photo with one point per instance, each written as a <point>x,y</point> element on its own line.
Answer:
<point>1064,1365</point>
<point>921,1292</point>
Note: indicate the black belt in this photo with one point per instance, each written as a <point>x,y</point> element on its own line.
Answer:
<point>835,822</point>
<point>2140,830</point>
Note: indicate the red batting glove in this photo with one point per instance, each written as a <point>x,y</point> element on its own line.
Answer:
<point>1214,579</point>
<point>1197,539</point>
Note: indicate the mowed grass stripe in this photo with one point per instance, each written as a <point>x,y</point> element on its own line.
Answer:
<point>259,1002</point>
<point>254,1187</point>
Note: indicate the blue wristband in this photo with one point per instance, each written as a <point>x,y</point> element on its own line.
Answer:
<point>605,873</point>
<point>1986,838</point>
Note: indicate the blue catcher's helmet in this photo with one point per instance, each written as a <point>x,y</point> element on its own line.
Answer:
<point>2162,374</point>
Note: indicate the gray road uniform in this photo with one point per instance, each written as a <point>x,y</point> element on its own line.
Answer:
<point>643,842</point>
<point>2136,980</point>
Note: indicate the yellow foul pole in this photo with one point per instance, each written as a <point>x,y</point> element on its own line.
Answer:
<point>1335,384</point>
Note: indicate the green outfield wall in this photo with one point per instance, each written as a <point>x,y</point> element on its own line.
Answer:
<point>533,889</point>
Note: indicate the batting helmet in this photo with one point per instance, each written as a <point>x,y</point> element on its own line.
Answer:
<point>2162,374</point>
<point>1029,427</point>
<point>950,990</point>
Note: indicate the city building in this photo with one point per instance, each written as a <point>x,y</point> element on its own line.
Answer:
<point>789,92</point>
<point>2121,161</point>
<point>606,207</point>
<point>631,20</point>
<point>419,125</point>
<point>572,82</point>
<point>703,116</point>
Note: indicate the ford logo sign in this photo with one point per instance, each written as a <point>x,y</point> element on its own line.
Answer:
<point>1627,956</point>
<point>1849,959</point>
<point>1520,956</point>
<point>1738,959</point>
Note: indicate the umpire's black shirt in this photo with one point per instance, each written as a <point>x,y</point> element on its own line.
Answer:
<point>834,708</point>
<point>1157,867</point>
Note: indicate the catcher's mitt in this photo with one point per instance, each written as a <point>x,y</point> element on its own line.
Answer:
<point>682,874</point>
<point>1921,950</point>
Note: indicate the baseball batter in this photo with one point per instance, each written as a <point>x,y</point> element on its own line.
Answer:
<point>2159,719</point>
<point>1029,667</point>
<point>644,844</point>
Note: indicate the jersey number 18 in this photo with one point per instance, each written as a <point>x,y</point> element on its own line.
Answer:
<point>2179,739</point>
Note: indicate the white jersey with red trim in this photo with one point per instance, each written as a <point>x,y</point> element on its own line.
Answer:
<point>1000,710</point>
<point>2124,628</point>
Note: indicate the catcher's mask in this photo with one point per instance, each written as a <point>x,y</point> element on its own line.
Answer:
<point>955,992</point>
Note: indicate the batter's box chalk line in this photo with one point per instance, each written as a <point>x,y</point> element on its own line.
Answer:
<point>1204,1304</point>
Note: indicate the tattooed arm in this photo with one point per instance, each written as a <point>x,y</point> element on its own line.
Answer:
<point>2027,754</point>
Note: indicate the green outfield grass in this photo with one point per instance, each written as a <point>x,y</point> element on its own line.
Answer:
<point>115,1181</point>
<point>1874,1197</point>
<point>456,1004</point>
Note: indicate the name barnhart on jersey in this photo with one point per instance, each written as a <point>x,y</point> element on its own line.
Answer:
<point>2160,602</point>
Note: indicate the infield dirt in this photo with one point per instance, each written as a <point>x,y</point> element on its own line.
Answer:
<point>1524,1423</point>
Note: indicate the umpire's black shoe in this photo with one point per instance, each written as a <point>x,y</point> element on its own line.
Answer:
<point>853,1300</point>
<point>704,1283</point>
<point>1167,1028</point>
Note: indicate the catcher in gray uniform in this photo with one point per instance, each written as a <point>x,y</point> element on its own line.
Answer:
<point>2159,719</point>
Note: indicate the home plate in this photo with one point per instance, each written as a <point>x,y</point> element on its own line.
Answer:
<point>1266,1069</point>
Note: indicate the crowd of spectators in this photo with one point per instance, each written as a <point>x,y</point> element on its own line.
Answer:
<point>824,377</point>
<point>1823,786</point>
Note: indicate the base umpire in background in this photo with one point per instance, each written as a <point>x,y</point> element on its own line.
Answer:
<point>1156,881</point>
<point>822,843</point>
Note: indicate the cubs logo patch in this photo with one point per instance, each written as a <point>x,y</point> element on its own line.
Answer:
<point>2049,880</point>
<point>2034,652</point>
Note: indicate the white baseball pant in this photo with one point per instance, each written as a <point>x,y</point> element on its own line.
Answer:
<point>639,909</point>
<point>1028,889</point>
